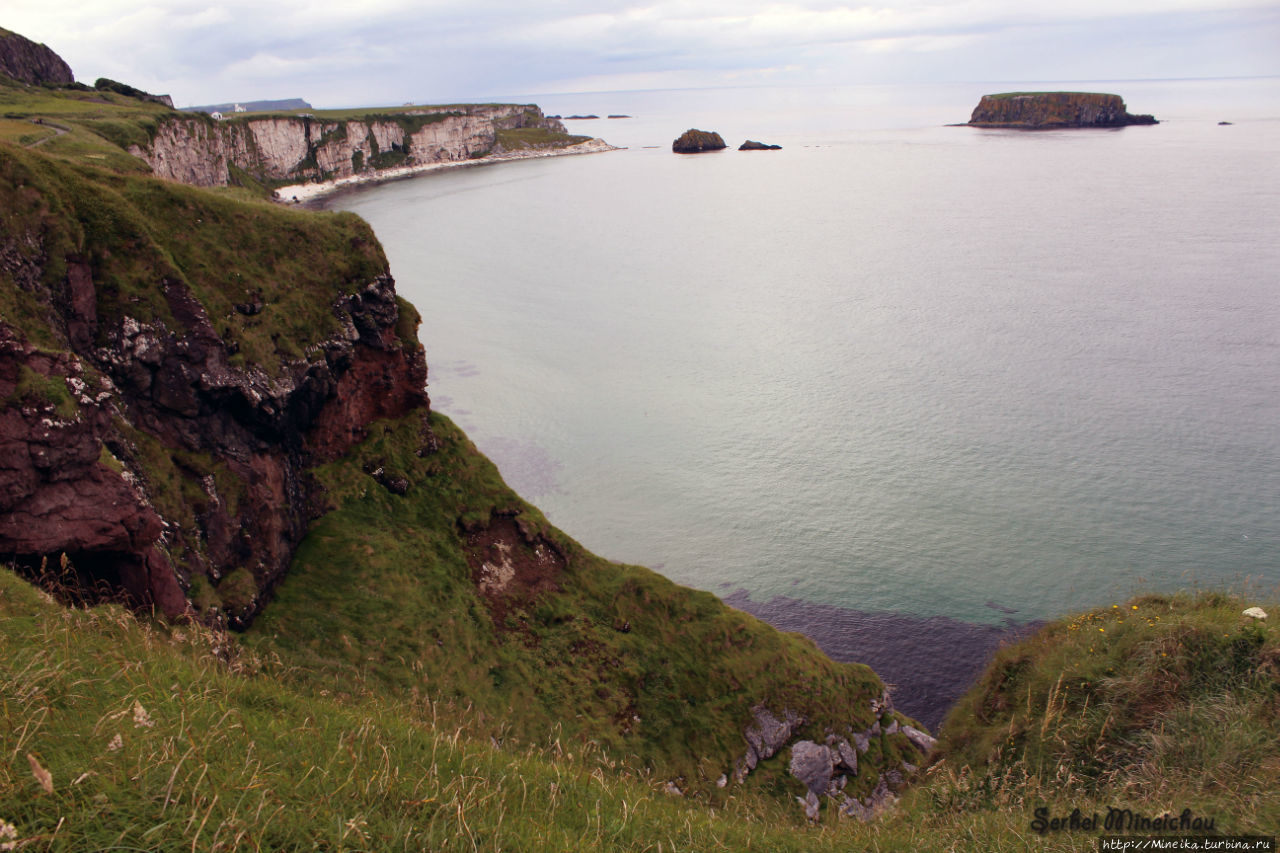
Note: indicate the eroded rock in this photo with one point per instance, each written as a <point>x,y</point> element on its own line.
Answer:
<point>813,765</point>
<point>693,141</point>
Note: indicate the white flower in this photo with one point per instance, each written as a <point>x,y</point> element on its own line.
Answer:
<point>7,831</point>
<point>1256,613</point>
<point>140,717</point>
<point>117,743</point>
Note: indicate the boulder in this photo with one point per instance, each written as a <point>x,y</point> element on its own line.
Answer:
<point>693,141</point>
<point>765,736</point>
<point>810,803</point>
<point>923,741</point>
<point>848,757</point>
<point>813,765</point>
<point>752,145</point>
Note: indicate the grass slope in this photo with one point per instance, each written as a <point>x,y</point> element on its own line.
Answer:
<point>136,233</point>
<point>1162,703</point>
<point>79,124</point>
<point>115,733</point>
<point>178,738</point>
<point>381,599</point>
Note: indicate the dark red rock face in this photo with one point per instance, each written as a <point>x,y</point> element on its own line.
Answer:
<point>59,496</point>
<point>151,460</point>
<point>28,62</point>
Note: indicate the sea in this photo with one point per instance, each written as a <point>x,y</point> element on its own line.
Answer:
<point>904,386</point>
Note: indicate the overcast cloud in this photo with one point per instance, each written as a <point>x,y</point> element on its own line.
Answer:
<point>393,51</point>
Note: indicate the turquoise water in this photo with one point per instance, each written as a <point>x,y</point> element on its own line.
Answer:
<point>896,366</point>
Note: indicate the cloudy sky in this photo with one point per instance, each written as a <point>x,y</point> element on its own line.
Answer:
<point>341,53</point>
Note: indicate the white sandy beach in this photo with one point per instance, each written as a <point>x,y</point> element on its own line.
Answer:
<point>299,193</point>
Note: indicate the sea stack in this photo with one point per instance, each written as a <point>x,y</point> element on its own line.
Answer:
<point>693,141</point>
<point>1045,110</point>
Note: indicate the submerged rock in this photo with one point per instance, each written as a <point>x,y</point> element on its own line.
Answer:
<point>765,736</point>
<point>693,141</point>
<point>752,145</point>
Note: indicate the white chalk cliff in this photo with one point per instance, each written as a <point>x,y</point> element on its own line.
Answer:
<point>199,150</point>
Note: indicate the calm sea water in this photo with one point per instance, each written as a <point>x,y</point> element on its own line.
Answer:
<point>896,366</point>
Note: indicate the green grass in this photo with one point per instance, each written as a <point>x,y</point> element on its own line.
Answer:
<point>173,739</point>
<point>138,232</point>
<point>369,113</point>
<point>44,392</point>
<point>380,703</point>
<point>92,126</point>
<point>178,737</point>
<point>537,137</point>
<point>1162,700</point>
<point>24,132</point>
<point>380,601</point>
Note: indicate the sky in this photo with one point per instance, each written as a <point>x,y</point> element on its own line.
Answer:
<point>337,53</point>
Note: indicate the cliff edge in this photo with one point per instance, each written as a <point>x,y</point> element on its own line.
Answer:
<point>292,149</point>
<point>173,363</point>
<point>1048,110</point>
<point>216,408</point>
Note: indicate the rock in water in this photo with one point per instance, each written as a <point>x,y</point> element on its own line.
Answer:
<point>692,141</point>
<point>1035,110</point>
<point>752,145</point>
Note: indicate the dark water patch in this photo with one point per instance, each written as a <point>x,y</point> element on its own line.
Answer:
<point>928,662</point>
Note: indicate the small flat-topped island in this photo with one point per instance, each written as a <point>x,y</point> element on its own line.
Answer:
<point>1053,110</point>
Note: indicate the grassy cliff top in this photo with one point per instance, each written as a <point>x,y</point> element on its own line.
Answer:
<point>1001,95</point>
<point>137,232</point>
<point>78,124</point>
<point>124,732</point>
<point>349,113</point>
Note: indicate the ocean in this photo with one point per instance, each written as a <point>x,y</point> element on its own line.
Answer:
<point>896,379</point>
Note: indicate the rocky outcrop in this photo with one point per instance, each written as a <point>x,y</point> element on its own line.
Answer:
<point>135,442</point>
<point>1048,110</point>
<point>28,62</point>
<point>105,84</point>
<point>199,150</point>
<point>856,788</point>
<point>765,736</point>
<point>752,145</point>
<point>60,490</point>
<point>693,141</point>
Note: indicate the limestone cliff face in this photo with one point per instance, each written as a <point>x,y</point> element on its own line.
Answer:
<point>201,151</point>
<point>134,439</point>
<point>24,60</point>
<point>1034,110</point>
